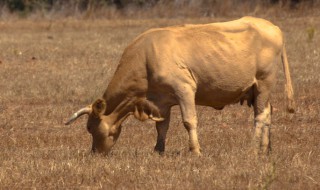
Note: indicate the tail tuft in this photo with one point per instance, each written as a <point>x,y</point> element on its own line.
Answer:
<point>291,106</point>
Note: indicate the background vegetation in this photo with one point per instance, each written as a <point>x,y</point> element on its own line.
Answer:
<point>153,8</point>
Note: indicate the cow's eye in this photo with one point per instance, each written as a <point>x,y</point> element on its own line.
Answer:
<point>89,128</point>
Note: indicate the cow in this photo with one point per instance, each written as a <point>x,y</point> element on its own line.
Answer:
<point>213,65</point>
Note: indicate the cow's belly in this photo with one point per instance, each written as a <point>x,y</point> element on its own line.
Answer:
<point>223,82</point>
<point>219,94</point>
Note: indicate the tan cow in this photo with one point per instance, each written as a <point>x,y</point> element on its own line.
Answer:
<point>209,64</point>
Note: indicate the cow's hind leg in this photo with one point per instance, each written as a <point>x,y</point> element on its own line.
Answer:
<point>262,121</point>
<point>162,128</point>
<point>189,116</point>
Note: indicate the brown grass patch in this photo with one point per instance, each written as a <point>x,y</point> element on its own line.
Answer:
<point>48,69</point>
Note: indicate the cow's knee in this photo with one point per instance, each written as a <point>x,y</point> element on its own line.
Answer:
<point>191,127</point>
<point>190,124</point>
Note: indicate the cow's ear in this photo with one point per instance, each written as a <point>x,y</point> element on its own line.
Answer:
<point>145,109</point>
<point>99,107</point>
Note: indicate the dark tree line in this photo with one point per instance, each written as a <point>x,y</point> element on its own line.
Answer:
<point>83,5</point>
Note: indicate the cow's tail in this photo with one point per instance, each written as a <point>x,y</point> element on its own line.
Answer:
<point>288,85</point>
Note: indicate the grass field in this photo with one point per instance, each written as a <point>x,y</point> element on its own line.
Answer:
<point>49,69</point>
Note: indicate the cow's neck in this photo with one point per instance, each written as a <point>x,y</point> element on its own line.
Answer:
<point>128,83</point>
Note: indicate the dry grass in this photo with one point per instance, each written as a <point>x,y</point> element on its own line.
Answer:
<point>50,69</point>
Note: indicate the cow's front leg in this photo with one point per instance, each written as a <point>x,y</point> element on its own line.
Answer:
<point>162,129</point>
<point>189,116</point>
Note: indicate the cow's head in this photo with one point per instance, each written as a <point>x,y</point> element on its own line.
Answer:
<point>105,129</point>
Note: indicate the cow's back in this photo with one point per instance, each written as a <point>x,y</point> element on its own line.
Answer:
<point>219,63</point>
<point>220,60</point>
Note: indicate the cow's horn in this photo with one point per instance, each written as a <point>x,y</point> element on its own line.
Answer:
<point>86,110</point>
<point>157,119</point>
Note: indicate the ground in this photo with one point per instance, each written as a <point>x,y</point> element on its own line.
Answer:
<point>51,68</point>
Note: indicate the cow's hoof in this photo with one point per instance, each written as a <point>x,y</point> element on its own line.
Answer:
<point>159,152</point>
<point>196,152</point>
